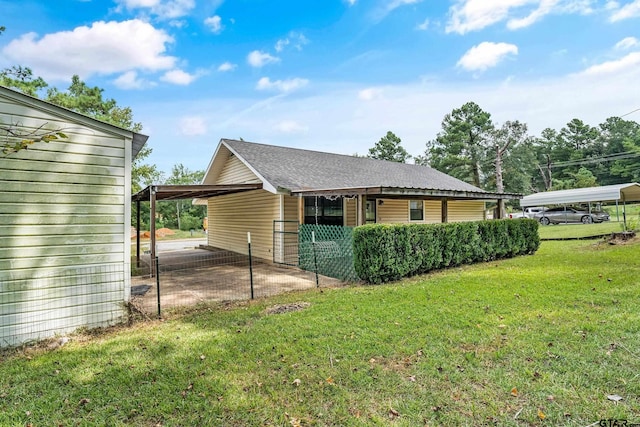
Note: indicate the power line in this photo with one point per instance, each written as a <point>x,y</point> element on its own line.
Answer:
<point>605,158</point>
<point>630,112</point>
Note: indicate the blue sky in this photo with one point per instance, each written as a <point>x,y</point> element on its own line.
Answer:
<point>332,75</point>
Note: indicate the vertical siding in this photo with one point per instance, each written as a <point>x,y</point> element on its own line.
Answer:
<point>235,172</point>
<point>462,210</point>
<point>63,218</point>
<point>232,216</point>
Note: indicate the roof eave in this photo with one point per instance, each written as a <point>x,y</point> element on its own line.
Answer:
<point>406,192</point>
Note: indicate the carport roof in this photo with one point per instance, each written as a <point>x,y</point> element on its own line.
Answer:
<point>177,192</point>
<point>619,192</point>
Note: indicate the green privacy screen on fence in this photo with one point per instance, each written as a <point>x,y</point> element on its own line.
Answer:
<point>333,251</point>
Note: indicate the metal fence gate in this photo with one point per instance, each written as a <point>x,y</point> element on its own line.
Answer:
<point>285,242</point>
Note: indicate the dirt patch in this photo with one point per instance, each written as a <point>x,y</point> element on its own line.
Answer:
<point>622,238</point>
<point>287,308</point>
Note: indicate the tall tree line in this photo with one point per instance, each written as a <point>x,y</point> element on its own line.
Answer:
<point>507,158</point>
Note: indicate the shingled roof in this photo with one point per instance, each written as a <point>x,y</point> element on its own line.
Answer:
<point>305,171</point>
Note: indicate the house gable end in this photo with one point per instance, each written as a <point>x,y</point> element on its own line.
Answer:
<point>227,167</point>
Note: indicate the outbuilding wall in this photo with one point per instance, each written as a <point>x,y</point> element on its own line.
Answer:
<point>64,226</point>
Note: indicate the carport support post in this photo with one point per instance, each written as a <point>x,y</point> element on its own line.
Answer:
<point>250,263</point>
<point>152,226</point>
<point>138,233</point>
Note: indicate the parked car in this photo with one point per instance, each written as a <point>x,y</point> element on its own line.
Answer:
<point>562,215</point>
<point>526,212</point>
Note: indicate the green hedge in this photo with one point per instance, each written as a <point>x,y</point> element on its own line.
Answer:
<point>385,252</point>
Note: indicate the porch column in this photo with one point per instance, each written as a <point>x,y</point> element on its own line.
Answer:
<point>444,210</point>
<point>500,209</point>
<point>300,209</point>
<point>361,207</point>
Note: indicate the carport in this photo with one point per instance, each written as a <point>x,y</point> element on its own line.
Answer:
<point>617,193</point>
<point>153,193</point>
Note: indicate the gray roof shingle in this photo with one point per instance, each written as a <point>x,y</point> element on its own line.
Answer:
<point>299,170</point>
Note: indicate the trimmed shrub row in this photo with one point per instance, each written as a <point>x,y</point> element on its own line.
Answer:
<point>385,252</point>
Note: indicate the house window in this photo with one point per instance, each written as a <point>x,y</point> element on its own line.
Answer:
<point>370,214</point>
<point>323,211</point>
<point>416,211</point>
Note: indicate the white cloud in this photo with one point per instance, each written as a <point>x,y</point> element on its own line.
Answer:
<point>351,2</point>
<point>388,6</point>
<point>215,24</point>
<point>611,5</point>
<point>294,39</point>
<point>629,10</point>
<point>103,48</point>
<point>167,9</point>
<point>285,86</point>
<point>369,93</point>
<point>424,25</point>
<point>227,66</point>
<point>178,77</point>
<point>280,44</point>
<point>192,126</point>
<point>473,15</point>
<point>545,7</point>
<point>259,59</point>
<point>627,43</point>
<point>290,126</point>
<point>130,80</point>
<point>625,64</point>
<point>486,55</point>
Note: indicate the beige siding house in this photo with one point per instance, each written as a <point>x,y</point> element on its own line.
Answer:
<point>310,187</point>
<point>64,221</point>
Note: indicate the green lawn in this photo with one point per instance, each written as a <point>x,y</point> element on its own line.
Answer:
<point>535,340</point>
<point>569,231</point>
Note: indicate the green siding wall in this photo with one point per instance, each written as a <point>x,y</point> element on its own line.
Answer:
<point>64,225</point>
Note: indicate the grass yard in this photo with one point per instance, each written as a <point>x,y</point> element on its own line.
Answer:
<point>571,231</point>
<point>536,340</point>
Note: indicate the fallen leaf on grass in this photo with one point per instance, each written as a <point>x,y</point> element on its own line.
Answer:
<point>514,392</point>
<point>541,415</point>
<point>393,413</point>
<point>330,380</point>
<point>84,401</point>
<point>614,397</point>
<point>296,382</point>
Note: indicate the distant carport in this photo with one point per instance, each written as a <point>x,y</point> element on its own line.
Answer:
<point>607,193</point>
<point>154,193</point>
